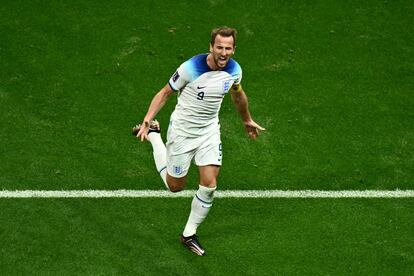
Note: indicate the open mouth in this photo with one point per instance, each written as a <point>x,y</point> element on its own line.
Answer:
<point>222,60</point>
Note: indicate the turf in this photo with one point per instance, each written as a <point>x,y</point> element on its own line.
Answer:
<point>332,82</point>
<point>242,237</point>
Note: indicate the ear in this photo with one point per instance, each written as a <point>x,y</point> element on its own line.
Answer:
<point>211,48</point>
<point>234,49</point>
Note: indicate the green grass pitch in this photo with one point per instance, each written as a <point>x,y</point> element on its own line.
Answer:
<point>242,237</point>
<point>332,81</point>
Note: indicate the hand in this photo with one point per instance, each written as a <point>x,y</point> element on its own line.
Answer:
<point>143,131</point>
<point>252,129</point>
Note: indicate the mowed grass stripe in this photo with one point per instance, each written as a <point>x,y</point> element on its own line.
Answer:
<point>219,194</point>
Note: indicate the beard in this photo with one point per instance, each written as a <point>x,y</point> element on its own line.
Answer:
<point>219,61</point>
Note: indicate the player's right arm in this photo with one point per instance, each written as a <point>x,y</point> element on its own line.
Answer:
<point>157,103</point>
<point>177,81</point>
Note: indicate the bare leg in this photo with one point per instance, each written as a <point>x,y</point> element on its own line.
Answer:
<point>176,184</point>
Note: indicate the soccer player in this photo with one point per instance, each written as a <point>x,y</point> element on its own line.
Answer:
<point>194,130</point>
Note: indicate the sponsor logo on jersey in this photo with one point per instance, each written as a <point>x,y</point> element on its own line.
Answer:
<point>175,76</point>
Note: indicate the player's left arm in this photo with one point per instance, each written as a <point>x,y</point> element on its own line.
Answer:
<point>242,105</point>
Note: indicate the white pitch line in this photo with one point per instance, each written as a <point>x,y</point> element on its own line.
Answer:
<point>218,194</point>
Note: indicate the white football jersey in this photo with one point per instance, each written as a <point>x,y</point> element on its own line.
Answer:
<point>201,92</point>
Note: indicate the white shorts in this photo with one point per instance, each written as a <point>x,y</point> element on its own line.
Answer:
<point>204,150</point>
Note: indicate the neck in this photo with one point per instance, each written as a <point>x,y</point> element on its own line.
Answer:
<point>211,63</point>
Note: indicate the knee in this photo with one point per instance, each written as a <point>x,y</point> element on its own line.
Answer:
<point>209,182</point>
<point>208,175</point>
<point>175,185</point>
<point>175,188</point>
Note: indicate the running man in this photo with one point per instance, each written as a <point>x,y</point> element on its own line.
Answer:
<point>194,130</point>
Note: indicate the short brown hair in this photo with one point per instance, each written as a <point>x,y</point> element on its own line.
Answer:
<point>223,31</point>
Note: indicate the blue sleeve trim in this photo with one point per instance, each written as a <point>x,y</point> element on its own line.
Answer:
<point>172,87</point>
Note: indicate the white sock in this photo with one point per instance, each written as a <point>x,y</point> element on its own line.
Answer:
<point>200,206</point>
<point>160,155</point>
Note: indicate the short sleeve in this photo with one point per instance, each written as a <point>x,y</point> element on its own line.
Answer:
<point>238,75</point>
<point>234,69</point>
<point>180,78</point>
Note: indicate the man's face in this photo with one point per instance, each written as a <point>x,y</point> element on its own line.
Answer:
<point>222,50</point>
